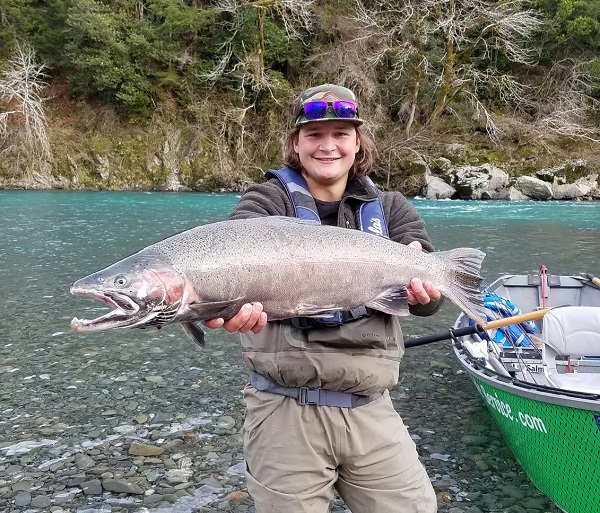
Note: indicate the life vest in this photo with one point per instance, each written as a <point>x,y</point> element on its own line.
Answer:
<point>370,218</point>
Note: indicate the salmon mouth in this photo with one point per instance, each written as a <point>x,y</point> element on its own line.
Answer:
<point>125,311</point>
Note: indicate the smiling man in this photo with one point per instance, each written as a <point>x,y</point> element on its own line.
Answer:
<point>318,413</point>
<point>326,152</point>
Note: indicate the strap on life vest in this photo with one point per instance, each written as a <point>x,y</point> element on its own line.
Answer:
<point>371,219</point>
<point>297,192</point>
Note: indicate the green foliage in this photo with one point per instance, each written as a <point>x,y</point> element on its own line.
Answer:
<point>18,19</point>
<point>138,55</point>
<point>573,27</point>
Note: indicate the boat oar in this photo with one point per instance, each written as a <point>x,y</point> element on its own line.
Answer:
<point>475,328</point>
<point>593,279</point>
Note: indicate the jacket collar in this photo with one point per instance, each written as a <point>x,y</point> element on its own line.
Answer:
<point>359,188</point>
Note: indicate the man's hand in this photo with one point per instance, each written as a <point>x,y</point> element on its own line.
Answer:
<point>421,292</point>
<point>250,318</point>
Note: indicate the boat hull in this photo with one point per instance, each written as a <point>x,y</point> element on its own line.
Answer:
<point>555,438</point>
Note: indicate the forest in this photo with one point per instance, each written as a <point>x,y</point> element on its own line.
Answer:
<point>127,93</point>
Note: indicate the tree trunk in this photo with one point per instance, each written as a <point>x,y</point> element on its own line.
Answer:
<point>260,67</point>
<point>416,82</point>
<point>139,10</point>
<point>449,62</point>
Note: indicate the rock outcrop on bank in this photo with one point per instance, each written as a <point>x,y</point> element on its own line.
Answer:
<point>569,181</point>
<point>574,180</point>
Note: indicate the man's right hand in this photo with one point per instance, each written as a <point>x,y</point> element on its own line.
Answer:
<point>250,318</point>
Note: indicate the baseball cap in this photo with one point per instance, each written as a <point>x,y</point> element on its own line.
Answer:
<point>330,93</point>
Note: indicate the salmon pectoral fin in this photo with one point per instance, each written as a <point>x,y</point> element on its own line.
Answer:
<point>393,302</point>
<point>226,309</point>
<point>194,331</point>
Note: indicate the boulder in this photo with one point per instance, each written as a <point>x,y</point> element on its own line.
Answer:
<point>509,194</point>
<point>534,188</point>
<point>436,188</point>
<point>477,182</point>
<point>588,183</point>
<point>595,191</point>
<point>440,165</point>
<point>567,191</point>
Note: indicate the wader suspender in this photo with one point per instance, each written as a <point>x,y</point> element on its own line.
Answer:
<point>372,220</point>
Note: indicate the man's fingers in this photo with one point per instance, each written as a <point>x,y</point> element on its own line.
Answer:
<point>257,309</point>
<point>419,294</point>
<point>249,317</point>
<point>422,293</point>
<point>417,245</point>
<point>239,319</point>
<point>433,293</point>
<point>214,323</point>
<point>261,323</point>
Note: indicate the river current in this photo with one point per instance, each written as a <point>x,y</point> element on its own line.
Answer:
<point>72,405</point>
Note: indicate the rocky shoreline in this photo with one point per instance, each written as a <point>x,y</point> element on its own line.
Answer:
<point>569,181</point>
<point>165,437</point>
<point>440,179</point>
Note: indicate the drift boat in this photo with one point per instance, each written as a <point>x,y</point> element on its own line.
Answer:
<point>541,381</point>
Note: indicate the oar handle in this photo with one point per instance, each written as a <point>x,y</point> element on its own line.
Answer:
<point>516,319</point>
<point>593,279</point>
<point>475,328</point>
<point>445,335</point>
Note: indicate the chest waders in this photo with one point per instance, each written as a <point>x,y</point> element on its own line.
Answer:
<point>370,219</point>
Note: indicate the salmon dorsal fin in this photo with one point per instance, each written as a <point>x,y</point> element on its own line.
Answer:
<point>392,301</point>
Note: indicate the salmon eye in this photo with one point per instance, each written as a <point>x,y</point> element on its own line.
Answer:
<point>120,281</point>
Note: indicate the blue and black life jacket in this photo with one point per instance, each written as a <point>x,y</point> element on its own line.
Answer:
<point>370,218</point>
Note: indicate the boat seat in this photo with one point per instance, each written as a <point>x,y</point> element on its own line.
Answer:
<point>571,331</point>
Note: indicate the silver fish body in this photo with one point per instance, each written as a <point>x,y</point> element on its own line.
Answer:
<point>294,268</point>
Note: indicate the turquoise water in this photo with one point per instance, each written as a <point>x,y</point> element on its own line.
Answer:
<point>69,388</point>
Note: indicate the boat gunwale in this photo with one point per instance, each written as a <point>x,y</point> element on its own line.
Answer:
<point>558,396</point>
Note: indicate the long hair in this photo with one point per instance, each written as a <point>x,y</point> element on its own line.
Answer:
<point>363,162</point>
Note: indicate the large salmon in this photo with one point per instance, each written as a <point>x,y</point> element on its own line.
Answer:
<point>294,268</point>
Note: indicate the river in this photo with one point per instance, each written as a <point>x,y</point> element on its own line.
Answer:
<point>72,404</point>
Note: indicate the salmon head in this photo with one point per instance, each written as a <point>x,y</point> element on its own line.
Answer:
<point>142,291</point>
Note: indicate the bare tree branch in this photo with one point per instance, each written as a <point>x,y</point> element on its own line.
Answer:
<point>21,89</point>
<point>250,69</point>
<point>566,100</point>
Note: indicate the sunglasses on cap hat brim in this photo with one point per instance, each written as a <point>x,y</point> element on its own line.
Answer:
<point>324,110</point>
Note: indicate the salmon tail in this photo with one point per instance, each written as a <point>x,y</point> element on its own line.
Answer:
<point>463,276</point>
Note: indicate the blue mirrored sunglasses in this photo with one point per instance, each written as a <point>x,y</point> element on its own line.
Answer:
<point>342,109</point>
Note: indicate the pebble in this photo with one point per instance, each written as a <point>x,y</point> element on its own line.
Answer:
<point>141,419</point>
<point>121,486</point>
<point>140,449</point>
<point>23,499</point>
<point>21,486</point>
<point>93,487</point>
<point>40,501</point>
